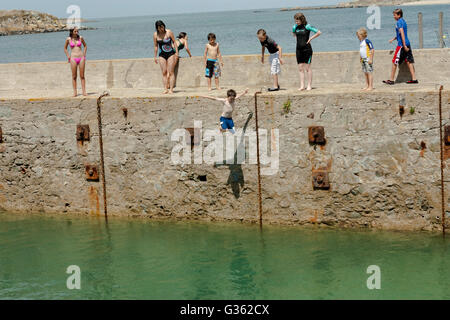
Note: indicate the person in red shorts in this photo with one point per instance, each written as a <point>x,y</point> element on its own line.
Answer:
<point>403,52</point>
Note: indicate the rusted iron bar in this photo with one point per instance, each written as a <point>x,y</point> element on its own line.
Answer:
<point>442,161</point>
<point>102,161</point>
<point>257,159</point>
<point>420,16</point>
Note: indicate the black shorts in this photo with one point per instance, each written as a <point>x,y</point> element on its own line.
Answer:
<point>304,55</point>
<point>402,55</point>
<point>166,55</point>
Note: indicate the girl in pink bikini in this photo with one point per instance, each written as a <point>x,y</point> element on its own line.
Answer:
<point>77,58</point>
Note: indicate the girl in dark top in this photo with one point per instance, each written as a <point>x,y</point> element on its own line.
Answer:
<point>168,54</point>
<point>182,42</point>
<point>301,31</point>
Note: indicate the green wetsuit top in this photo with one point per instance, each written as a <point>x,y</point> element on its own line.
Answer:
<point>303,32</point>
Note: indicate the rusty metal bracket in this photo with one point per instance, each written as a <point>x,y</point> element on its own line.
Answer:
<point>83,133</point>
<point>446,135</point>
<point>193,137</point>
<point>316,135</point>
<point>320,179</point>
<point>92,172</point>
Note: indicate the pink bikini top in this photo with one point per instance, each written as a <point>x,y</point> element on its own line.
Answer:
<point>73,45</point>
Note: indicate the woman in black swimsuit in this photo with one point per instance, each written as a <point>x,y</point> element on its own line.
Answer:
<point>164,40</point>
<point>182,42</point>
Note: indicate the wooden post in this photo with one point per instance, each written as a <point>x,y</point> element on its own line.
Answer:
<point>441,29</point>
<point>420,16</point>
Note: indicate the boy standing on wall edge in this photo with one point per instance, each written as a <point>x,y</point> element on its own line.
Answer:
<point>403,52</point>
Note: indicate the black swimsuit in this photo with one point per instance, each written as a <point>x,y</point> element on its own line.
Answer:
<point>180,46</point>
<point>165,48</point>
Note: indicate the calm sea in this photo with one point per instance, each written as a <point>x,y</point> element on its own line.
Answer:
<point>143,259</point>
<point>131,37</point>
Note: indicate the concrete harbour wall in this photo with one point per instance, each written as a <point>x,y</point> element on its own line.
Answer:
<point>384,169</point>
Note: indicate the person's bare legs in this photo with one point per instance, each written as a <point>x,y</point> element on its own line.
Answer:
<point>209,83</point>
<point>217,83</point>
<point>83,80</point>
<point>394,69</point>
<point>171,63</point>
<point>309,72</point>
<point>275,81</point>
<point>411,70</point>
<point>370,81</point>
<point>301,70</point>
<point>163,65</point>
<point>366,75</point>
<point>73,67</point>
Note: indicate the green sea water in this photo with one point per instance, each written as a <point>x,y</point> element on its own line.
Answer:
<point>143,259</point>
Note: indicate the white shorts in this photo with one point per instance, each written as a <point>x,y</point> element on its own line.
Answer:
<point>274,60</point>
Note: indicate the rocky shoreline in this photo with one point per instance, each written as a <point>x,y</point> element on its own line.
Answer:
<point>13,22</point>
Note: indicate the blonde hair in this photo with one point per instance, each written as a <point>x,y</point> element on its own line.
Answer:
<point>362,32</point>
<point>300,16</point>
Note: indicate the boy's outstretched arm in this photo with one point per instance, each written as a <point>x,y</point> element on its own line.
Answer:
<point>241,94</point>
<point>262,54</point>
<point>212,98</point>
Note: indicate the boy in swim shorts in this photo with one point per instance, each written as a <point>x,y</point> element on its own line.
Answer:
<point>274,58</point>
<point>366,52</point>
<point>403,52</point>
<point>212,55</point>
<point>226,120</point>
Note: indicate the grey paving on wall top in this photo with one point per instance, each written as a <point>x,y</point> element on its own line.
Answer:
<point>245,70</point>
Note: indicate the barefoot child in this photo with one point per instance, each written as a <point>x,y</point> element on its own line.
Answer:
<point>403,52</point>
<point>366,52</point>
<point>274,59</point>
<point>212,52</point>
<point>226,120</point>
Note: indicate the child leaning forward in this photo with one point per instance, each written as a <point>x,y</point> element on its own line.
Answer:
<point>275,57</point>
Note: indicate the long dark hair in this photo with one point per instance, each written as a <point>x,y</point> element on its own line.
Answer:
<point>71,33</point>
<point>159,23</point>
<point>182,35</point>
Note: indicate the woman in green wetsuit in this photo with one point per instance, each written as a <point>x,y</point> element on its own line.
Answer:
<point>301,31</point>
<point>182,42</point>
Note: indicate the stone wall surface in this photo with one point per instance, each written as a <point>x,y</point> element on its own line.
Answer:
<point>384,169</point>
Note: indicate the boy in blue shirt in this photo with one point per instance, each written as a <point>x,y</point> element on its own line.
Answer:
<point>403,52</point>
<point>366,52</point>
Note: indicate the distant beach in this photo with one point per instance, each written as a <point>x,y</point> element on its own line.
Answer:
<point>366,3</point>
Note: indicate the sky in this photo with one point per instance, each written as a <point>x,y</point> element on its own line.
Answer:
<point>125,8</point>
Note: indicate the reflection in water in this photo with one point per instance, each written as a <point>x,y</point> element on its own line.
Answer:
<point>141,259</point>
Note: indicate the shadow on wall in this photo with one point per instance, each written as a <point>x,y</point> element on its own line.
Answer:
<point>403,73</point>
<point>236,178</point>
